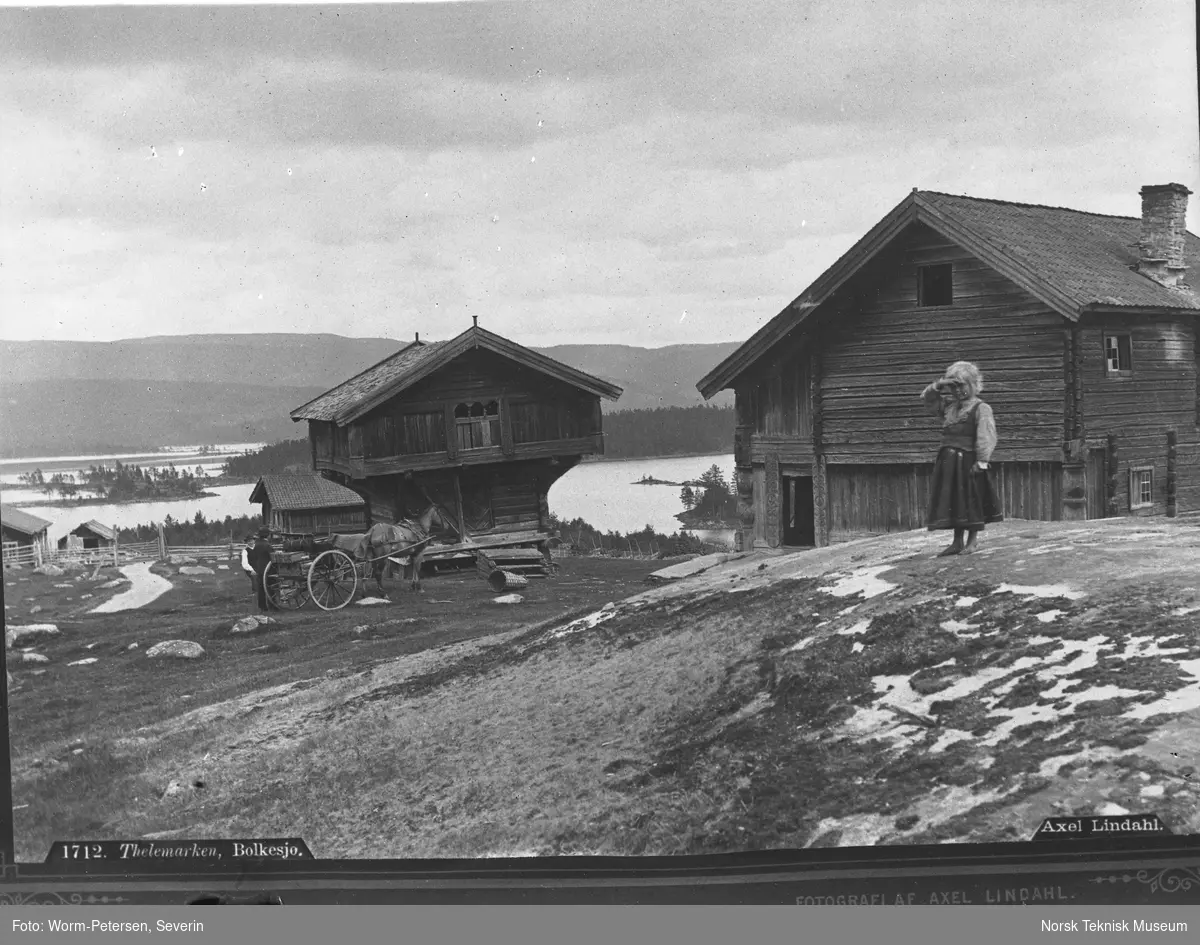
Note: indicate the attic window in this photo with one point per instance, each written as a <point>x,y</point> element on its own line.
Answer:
<point>478,425</point>
<point>935,285</point>
<point>1118,355</point>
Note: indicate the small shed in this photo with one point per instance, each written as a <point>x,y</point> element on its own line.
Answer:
<point>303,505</point>
<point>21,530</point>
<point>88,536</point>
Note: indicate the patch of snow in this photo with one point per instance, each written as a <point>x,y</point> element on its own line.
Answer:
<point>1039,590</point>
<point>1048,549</point>
<point>1088,657</point>
<point>948,738</point>
<point>859,830</point>
<point>965,601</point>
<point>1184,611</point>
<point>1111,810</point>
<point>800,645</point>
<point>1182,700</point>
<point>857,648</point>
<point>842,613</point>
<point>1147,646</point>
<point>896,690</point>
<point>865,581</point>
<point>1153,790</point>
<point>960,628</point>
<point>1049,616</point>
<point>1028,715</point>
<point>86,662</point>
<point>861,627</point>
<point>607,612</point>
<point>371,601</point>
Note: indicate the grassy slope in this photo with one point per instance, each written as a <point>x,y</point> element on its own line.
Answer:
<point>765,704</point>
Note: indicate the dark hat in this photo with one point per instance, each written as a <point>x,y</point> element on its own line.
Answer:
<point>264,532</point>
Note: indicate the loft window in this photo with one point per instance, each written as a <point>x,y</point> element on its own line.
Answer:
<point>1118,355</point>
<point>1141,487</point>
<point>477,424</point>
<point>935,285</point>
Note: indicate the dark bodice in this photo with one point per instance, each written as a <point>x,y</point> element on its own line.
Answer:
<point>961,433</point>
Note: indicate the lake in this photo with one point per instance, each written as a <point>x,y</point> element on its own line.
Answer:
<point>184,457</point>
<point>603,494</point>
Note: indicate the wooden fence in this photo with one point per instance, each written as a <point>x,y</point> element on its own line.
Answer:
<point>116,554</point>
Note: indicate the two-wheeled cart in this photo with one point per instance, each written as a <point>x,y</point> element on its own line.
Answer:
<point>322,573</point>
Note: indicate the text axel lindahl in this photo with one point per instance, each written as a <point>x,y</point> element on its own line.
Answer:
<point>941,897</point>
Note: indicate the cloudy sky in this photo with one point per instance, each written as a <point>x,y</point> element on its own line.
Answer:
<point>605,171</point>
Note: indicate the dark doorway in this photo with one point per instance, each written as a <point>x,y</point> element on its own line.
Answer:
<point>799,522</point>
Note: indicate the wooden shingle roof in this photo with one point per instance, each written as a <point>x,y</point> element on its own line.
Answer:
<point>363,392</point>
<point>23,522</point>
<point>304,493</point>
<point>96,528</point>
<point>1089,257</point>
<point>1071,260</point>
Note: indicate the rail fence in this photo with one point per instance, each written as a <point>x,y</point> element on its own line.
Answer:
<point>117,553</point>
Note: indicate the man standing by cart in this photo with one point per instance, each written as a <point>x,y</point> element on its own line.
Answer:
<point>259,557</point>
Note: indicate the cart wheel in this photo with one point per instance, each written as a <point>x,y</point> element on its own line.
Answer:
<point>288,594</point>
<point>332,580</point>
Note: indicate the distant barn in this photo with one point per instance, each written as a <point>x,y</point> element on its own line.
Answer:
<point>86,537</point>
<point>21,530</point>
<point>1083,325</point>
<point>478,425</point>
<point>309,505</point>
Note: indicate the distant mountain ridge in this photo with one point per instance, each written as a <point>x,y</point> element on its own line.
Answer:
<point>65,397</point>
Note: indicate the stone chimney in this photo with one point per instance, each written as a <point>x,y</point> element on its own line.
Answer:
<point>1164,228</point>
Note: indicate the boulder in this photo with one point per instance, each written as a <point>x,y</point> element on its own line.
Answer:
<point>196,569</point>
<point>252,623</point>
<point>34,658</point>
<point>116,583</point>
<point>180,559</point>
<point>222,567</point>
<point>35,609</point>
<point>15,635</point>
<point>132,646</point>
<point>50,570</point>
<point>176,649</point>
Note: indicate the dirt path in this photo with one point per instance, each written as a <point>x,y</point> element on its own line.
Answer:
<point>145,588</point>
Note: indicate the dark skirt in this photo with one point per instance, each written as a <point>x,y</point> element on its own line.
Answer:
<point>960,498</point>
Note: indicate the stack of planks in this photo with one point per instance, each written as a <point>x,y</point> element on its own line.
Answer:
<point>520,562</point>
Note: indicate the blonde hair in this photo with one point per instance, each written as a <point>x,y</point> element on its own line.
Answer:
<point>968,375</point>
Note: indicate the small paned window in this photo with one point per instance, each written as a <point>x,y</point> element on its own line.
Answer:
<point>935,285</point>
<point>1118,355</point>
<point>1141,487</point>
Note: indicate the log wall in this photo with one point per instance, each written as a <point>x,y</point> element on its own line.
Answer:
<point>1160,394</point>
<point>880,353</point>
<point>532,409</point>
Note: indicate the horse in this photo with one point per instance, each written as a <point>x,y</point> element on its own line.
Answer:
<point>382,540</point>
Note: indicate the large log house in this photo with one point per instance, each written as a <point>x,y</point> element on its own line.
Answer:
<point>1082,324</point>
<point>479,425</point>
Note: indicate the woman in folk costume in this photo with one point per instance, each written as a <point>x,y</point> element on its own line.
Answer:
<point>962,497</point>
